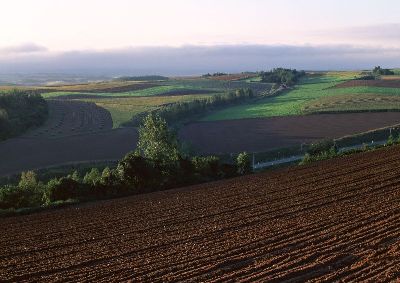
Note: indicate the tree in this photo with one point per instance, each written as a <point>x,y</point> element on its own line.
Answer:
<point>92,177</point>
<point>28,180</point>
<point>135,171</point>
<point>157,142</point>
<point>243,163</point>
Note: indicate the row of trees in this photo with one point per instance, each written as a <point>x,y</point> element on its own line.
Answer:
<point>157,164</point>
<point>382,72</point>
<point>282,76</point>
<point>19,111</point>
<point>185,110</point>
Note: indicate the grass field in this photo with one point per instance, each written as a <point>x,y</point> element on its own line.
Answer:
<point>153,91</point>
<point>315,95</point>
<point>122,109</point>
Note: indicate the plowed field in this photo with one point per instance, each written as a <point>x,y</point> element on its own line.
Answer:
<point>258,135</point>
<point>337,220</point>
<point>374,83</point>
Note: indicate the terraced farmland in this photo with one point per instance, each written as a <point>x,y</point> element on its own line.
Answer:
<point>332,221</point>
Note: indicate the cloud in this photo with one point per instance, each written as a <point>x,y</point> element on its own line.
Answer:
<point>25,48</point>
<point>190,60</point>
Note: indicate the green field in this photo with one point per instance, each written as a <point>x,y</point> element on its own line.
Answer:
<point>311,93</point>
<point>123,109</point>
<point>124,105</point>
<point>153,91</point>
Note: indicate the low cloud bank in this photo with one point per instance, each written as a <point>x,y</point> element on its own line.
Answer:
<point>191,60</point>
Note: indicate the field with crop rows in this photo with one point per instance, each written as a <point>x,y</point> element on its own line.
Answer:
<point>122,109</point>
<point>335,88</point>
<point>332,221</point>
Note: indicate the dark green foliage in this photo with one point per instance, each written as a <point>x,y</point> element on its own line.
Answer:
<point>282,76</point>
<point>19,111</point>
<point>367,78</point>
<point>185,110</point>
<point>136,172</point>
<point>385,72</point>
<point>320,147</point>
<point>208,166</point>
<point>243,163</point>
<point>218,74</point>
<point>320,155</point>
<point>62,189</point>
<point>16,197</point>
<point>391,140</point>
<point>157,165</point>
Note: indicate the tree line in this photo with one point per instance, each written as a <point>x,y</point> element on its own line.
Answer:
<point>158,163</point>
<point>19,111</point>
<point>282,76</point>
<point>179,111</point>
<point>382,72</point>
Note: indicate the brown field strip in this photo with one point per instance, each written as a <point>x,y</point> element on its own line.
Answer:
<point>394,83</point>
<point>336,220</point>
<point>258,135</point>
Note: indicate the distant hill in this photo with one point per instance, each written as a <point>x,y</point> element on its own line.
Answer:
<point>142,78</point>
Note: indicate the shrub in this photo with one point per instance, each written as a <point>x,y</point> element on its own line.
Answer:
<point>62,189</point>
<point>390,141</point>
<point>208,166</point>
<point>16,197</point>
<point>243,163</point>
<point>136,172</point>
<point>320,147</point>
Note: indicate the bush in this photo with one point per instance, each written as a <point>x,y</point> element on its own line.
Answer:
<point>136,172</point>
<point>62,189</point>
<point>16,197</point>
<point>208,167</point>
<point>243,163</point>
<point>320,147</point>
<point>282,76</point>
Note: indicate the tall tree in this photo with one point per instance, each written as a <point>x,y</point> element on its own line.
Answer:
<point>157,142</point>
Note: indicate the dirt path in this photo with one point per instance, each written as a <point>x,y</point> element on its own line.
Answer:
<point>332,221</point>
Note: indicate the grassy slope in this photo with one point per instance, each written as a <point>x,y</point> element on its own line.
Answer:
<point>122,109</point>
<point>316,95</point>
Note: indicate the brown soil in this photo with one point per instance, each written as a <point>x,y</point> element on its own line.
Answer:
<point>337,220</point>
<point>376,83</point>
<point>233,77</point>
<point>50,146</point>
<point>259,135</point>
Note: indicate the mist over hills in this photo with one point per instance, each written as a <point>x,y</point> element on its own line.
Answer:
<point>191,59</point>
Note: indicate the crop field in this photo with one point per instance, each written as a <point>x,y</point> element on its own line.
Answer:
<point>337,220</point>
<point>221,85</point>
<point>122,109</point>
<point>152,91</point>
<point>353,103</point>
<point>315,91</point>
<point>391,83</point>
<point>69,117</point>
<point>261,135</point>
<point>233,77</point>
<point>41,149</point>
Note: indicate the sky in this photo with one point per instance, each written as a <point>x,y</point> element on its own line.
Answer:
<point>50,32</point>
